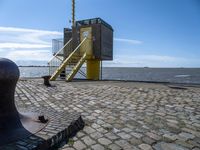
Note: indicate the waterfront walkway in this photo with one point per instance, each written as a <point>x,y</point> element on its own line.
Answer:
<point>121,115</point>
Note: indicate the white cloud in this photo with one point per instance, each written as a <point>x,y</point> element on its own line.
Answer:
<point>29,55</point>
<point>130,41</point>
<point>31,44</point>
<point>149,61</point>
<point>23,35</point>
<point>21,43</point>
<point>25,30</point>
<point>22,46</point>
<point>157,58</point>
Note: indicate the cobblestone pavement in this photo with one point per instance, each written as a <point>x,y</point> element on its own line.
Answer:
<point>121,115</point>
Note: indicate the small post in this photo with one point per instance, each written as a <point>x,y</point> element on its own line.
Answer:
<point>46,80</point>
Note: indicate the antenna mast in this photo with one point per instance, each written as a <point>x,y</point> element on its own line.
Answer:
<point>73,13</point>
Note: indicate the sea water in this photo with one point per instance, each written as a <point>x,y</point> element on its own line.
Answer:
<point>173,75</point>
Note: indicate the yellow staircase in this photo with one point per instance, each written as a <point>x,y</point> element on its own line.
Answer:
<point>71,64</point>
<point>76,68</point>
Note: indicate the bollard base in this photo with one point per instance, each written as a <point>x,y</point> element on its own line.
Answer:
<point>30,124</point>
<point>60,127</point>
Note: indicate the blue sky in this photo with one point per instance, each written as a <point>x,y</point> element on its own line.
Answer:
<point>154,33</point>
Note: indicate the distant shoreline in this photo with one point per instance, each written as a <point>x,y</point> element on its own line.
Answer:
<point>32,66</point>
<point>130,67</point>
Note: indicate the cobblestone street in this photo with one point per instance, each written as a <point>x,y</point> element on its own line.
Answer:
<point>121,115</point>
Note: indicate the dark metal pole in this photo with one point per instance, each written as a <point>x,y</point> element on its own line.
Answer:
<point>101,69</point>
<point>73,13</point>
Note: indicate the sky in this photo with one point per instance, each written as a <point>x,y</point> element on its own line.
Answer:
<point>147,33</point>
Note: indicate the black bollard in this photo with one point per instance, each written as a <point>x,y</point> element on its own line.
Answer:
<point>46,80</point>
<point>9,75</point>
<point>14,125</point>
<point>23,130</point>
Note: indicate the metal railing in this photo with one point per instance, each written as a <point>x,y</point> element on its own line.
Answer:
<point>58,58</point>
<point>57,44</point>
<point>72,59</point>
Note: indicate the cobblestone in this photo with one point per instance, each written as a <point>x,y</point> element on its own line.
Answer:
<point>186,136</point>
<point>104,141</point>
<point>145,147</point>
<point>87,140</point>
<point>123,135</point>
<point>79,145</point>
<point>168,146</point>
<point>114,147</point>
<point>120,115</point>
<point>97,147</point>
